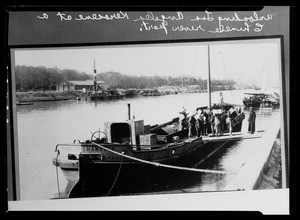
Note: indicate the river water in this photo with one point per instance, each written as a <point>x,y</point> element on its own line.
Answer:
<point>45,124</point>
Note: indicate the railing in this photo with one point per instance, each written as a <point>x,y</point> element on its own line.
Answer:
<point>131,146</point>
<point>160,164</point>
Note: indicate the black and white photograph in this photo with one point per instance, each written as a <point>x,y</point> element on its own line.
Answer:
<point>149,117</point>
<point>127,120</point>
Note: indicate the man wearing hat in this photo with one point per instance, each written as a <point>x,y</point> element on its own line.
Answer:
<point>251,119</point>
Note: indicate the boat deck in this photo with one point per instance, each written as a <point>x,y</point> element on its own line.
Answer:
<point>234,136</point>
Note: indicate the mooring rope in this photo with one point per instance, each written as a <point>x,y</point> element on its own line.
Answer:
<point>160,164</point>
<point>57,180</point>
<point>116,177</point>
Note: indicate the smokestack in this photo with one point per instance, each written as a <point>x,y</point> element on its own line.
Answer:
<point>128,111</point>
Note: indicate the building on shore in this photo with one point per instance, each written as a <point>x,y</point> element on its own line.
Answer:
<point>79,85</point>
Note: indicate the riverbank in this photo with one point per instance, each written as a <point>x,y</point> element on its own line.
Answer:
<point>42,96</point>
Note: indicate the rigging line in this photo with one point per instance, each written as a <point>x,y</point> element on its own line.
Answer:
<point>116,177</point>
<point>192,71</point>
<point>185,95</point>
<point>194,61</point>
<point>223,63</point>
<point>263,84</point>
<point>159,164</point>
<point>216,65</point>
<point>226,74</point>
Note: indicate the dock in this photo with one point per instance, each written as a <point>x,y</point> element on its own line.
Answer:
<point>234,136</point>
<point>251,170</point>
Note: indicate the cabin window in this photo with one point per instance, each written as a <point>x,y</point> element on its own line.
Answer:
<point>120,133</point>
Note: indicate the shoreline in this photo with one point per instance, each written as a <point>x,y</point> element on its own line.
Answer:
<point>41,96</point>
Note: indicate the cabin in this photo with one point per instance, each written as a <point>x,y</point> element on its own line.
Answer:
<point>143,137</point>
<point>132,132</point>
<point>79,85</point>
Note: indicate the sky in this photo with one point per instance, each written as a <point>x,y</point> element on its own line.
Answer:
<point>248,61</point>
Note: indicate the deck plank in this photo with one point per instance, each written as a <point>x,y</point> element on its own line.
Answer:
<point>234,136</point>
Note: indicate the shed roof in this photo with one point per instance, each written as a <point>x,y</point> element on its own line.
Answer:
<point>86,83</point>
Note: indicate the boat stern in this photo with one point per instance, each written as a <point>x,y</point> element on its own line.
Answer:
<point>67,159</point>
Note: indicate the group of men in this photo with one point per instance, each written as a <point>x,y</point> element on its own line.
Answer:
<point>204,122</point>
<point>215,122</point>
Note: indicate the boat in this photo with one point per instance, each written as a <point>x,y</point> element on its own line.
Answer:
<point>141,150</point>
<point>260,99</point>
<point>104,94</point>
<point>96,92</point>
<point>151,92</point>
<point>24,103</point>
<point>131,92</point>
<point>132,157</point>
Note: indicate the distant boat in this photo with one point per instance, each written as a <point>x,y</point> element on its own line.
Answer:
<point>24,103</point>
<point>260,99</point>
<point>151,92</point>
<point>99,93</point>
<point>131,92</point>
<point>132,155</point>
<point>102,94</point>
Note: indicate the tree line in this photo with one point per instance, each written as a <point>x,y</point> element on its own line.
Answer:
<point>117,80</point>
<point>43,78</point>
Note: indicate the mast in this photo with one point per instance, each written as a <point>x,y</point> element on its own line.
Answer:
<point>208,80</point>
<point>95,76</point>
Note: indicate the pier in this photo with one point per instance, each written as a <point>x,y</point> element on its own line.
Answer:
<point>251,171</point>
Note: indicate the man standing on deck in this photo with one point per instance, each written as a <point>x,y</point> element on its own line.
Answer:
<point>232,114</point>
<point>192,123</point>
<point>205,123</point>
<point>221,101</point>
<point>251,119</point>
<point>223,117</point>
<point>212,123</point>
<point>182,122</point>
<point>198,125</point>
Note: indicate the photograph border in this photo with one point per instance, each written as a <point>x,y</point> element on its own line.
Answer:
<point>12,145</point>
